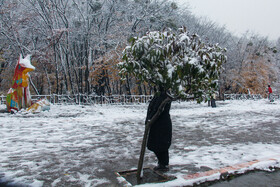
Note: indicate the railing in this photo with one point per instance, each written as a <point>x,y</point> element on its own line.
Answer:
<point>95,99</point>
<point>2,99</point>
<point>119,99</point>
<point>242,96</point>
<point>89,99</point>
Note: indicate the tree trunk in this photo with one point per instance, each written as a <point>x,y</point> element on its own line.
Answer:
<point>128,86</point>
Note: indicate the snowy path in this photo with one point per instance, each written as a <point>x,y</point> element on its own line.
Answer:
<point>85,145</point>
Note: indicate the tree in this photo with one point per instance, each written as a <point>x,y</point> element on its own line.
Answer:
<point>177,62</point>
<point>67,39</point>
<point>252,65</point>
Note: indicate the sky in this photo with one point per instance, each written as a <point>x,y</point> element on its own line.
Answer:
<point>257,16</point>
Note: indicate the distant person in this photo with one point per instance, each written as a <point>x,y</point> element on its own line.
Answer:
<point>213,101</point>
<point>269,93</point>
<point>160,135</point>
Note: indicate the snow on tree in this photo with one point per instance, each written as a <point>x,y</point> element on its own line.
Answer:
<point>179,62</point>
<point>252,66</point>
<point>174,62</point>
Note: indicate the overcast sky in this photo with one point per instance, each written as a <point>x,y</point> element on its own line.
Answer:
<point>259,16</point>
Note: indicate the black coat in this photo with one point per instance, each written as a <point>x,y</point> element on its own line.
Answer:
<point>160,134</point>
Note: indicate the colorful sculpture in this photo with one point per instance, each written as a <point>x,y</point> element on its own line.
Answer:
<point>19,94</point>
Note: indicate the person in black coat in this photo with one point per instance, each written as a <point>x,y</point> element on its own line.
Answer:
<point>160,135</point>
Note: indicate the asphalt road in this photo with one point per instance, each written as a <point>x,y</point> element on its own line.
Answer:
<point>252,179</point>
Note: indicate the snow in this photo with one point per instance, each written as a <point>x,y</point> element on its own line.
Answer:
<point>26,62</point>
<point>85,145</point>
<point>193,61</point>
<point>183,37</point>
<point>170,70</point>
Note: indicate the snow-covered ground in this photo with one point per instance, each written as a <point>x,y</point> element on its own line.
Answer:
<point>85,145</point>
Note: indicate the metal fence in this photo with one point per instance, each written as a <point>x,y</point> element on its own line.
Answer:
<point>84,99</point>
<point>89,99</point>
<point>2,99</point>
<point>242,96</point>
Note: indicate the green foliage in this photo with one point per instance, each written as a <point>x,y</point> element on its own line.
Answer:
<point>176,61</point>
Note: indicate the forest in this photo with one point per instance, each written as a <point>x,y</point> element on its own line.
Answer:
<point>76,45</point>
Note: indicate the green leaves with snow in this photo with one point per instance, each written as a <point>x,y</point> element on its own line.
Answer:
<point>178,62</point>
